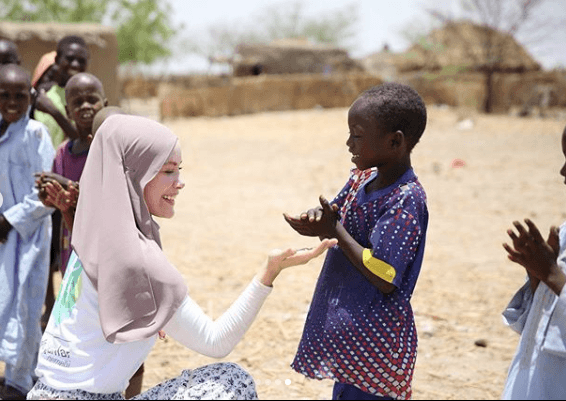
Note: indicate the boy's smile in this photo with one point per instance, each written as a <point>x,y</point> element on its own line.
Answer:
<point>73,60</point>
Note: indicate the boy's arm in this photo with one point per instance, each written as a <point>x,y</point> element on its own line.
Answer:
<point>326,225</point>
<point>26,216</point>
<point>45,105</point>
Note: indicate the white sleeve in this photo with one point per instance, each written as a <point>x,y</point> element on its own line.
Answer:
<point>516,313</point>
<point>195,330</point>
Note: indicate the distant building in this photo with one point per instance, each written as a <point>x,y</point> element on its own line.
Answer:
<point>291,56</point>
<point>35,39</point>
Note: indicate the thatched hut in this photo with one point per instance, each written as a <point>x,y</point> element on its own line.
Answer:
<point>459,49</point>
<point>464,46</point>
<point>36,39</point>
<point>291,57</point>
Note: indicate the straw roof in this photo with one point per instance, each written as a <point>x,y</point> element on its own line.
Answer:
<point>93,34</point>
<point>464,45</point>
<point>292,56</point>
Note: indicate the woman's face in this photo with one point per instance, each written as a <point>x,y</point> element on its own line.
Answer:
<point>160,192</point>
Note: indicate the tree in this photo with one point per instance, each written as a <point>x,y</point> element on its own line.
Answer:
<point>498,18</point>
<point>144,29</point>
<point>283,21</point>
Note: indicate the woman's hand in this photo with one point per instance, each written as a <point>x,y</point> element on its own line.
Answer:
<point>279,260</point>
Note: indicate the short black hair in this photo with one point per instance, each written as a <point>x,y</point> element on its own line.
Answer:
<point>10,52</point>
<point>397,107</point>
<point>69,40</point>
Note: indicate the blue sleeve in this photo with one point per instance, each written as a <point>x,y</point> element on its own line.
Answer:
<point>397,234</point>
<point>26,216</point>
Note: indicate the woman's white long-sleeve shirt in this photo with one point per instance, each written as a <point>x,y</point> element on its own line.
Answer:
<point>538,370</point>
<point>75,355</point>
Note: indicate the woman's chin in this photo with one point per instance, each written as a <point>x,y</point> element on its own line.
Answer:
<point>164,215</point>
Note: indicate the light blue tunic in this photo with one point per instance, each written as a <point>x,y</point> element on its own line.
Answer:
<point>538,370</point>
<point>25,148</point>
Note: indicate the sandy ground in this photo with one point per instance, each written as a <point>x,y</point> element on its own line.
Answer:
<point>243,172</point>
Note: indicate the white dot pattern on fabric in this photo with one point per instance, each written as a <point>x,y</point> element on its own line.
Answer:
<point>354,333</point>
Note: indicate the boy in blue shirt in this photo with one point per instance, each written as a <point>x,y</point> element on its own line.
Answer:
<point>360,329</point>
<point>25,231</point>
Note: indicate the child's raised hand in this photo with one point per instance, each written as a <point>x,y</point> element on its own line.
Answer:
<point>319,221</point>
<point>531,251</point>
<point>59,197</point>
<point>40,184</point>
<point>48,176</point>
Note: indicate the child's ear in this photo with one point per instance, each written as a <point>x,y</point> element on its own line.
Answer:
<point>397,139</point>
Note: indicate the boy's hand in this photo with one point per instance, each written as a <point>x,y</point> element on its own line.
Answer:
<point>316,222</point>
<point>536,255</point>
<point>41,187</point>
<point>48,176</point>
<point>60,198</point>
<point>5,228</point>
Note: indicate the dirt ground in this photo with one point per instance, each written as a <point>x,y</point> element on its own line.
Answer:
<point>243,172</point>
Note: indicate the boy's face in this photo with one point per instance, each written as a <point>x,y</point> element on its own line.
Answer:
<point>73,59</point>
<point>367,144</point>
<point>84,100</point>
<point>14,96</point>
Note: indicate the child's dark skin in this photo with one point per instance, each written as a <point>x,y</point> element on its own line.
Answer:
<point>85,97</point>
<point>61,188</point>
<point>537,256</point>
<point>15,98</point>
<point>72,60</point>
<point>390,153</point>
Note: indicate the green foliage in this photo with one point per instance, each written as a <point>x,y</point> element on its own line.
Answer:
<point>143,27</point>
<point>53,10</point>
<point>144,30</point>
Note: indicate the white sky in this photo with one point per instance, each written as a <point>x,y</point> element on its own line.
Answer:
<point>379,22</point>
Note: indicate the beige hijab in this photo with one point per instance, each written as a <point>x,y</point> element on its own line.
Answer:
<point>115,236</point>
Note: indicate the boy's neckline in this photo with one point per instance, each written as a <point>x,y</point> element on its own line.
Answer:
<point>83,148</point>
<point>373,186</point>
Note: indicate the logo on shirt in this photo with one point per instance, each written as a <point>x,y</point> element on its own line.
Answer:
<point>70,291</point>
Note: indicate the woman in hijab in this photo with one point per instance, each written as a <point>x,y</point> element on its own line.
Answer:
<point>120,293</point>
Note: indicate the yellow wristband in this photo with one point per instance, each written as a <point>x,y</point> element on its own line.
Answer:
<point>378,267</point>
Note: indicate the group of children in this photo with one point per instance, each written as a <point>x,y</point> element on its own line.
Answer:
<point>360,330</point>
<point>45,135</point>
